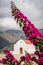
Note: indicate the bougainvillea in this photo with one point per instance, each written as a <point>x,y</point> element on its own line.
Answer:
<point>27,59</point>
<point>31,32</point>
<point>9,59</point>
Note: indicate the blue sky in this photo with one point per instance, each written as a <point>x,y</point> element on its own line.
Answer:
<point>33,9</point>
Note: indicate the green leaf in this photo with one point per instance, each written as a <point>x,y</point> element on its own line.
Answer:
<point>22,21</point>
<point>20,24</point>
<point>41,47</point>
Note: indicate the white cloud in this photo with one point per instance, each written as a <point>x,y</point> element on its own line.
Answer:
<point>5,12</point>
<point>9,23</point>
<point>33,9</point>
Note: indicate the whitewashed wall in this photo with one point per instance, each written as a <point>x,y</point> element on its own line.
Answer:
<point>30,48</point>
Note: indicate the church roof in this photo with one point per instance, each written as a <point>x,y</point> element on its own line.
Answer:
<point>28,42</point>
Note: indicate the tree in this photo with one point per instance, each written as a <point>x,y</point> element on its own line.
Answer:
<point>31,32</point>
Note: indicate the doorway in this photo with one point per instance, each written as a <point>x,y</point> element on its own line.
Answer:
<point>21,50</point>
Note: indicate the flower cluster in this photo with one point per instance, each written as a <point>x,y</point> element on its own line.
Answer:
<point>9,59</point>
<point>39,53</point>
<point>27,59</point>
<point>31,32</point>
<point>40,59</point>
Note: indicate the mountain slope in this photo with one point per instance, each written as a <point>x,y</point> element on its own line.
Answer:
<point>3,43</point>
<point>7,40</point>
<point>16,33</point>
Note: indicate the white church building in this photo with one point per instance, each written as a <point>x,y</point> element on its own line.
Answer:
<point>24,45</point>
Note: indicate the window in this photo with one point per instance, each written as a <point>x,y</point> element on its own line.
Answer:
<point>21,50</point>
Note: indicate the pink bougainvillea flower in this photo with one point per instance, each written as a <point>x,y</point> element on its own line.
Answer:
<point>4,60</point>
<point>40,61</point>
<point>27,58</point>
<point>37,40</point>
<point>37,52</point>
<point>33,58</point>
<point>28,55</point>
<point>15,61</point>
<point>6,51</point>
<point>41,54</point>
<point>22,58</point>
<point>9,55</point>
<point>1,61</point>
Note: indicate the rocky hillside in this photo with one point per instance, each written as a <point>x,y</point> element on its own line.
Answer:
<point>9,38</point>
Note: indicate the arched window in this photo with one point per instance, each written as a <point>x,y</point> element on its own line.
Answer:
<point>21,50</point>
